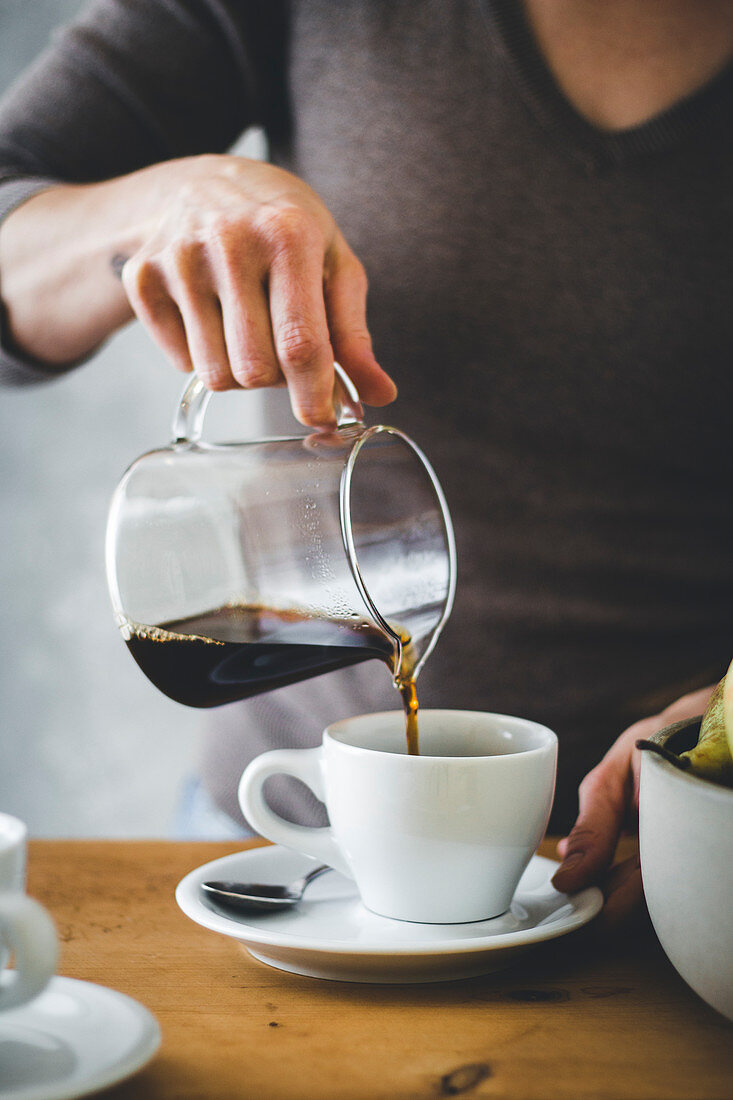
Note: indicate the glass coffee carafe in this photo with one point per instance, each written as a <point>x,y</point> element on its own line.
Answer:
<point>236,568</point>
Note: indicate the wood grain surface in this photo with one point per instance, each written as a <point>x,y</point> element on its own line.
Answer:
<point>578,1017</point>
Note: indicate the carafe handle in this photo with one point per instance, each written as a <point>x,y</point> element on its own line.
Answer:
<point>189,419</point>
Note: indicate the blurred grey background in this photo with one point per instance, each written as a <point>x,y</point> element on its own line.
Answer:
<point>87,746</point>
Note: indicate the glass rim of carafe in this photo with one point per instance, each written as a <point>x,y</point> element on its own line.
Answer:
<point>367,434</point>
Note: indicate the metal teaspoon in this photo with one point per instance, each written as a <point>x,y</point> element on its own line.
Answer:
<point>261,897</point>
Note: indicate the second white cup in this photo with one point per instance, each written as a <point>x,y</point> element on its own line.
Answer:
<point>439,838</point>
<point>26,929</point>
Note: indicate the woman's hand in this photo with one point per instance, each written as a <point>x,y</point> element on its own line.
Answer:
<point>247,280</point>
<point>608,805</point>
<point>235,267</point>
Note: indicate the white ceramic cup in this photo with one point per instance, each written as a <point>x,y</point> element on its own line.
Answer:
<point>26,929</point>
<point>439,838</point>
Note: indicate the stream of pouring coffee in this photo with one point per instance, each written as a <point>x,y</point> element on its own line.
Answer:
<point>237,651</point>
<point>405,684</point>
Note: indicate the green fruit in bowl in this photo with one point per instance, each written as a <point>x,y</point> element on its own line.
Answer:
<point>712,757</point>
<point>728,709</point>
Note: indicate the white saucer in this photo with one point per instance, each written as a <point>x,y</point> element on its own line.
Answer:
<point>332,935</point>
<point>73,1039</point>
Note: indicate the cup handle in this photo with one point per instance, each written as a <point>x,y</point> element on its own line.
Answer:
<point>28,931</point>
<point>303,764</point>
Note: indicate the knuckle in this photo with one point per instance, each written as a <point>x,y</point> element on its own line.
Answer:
<point>181,259</point>
<point>139,275</point>
<point>284,227</point>
<point>227,241</point>
<point>213,376</point>
<point>146,291</point>
<point>298,345</point>
<point>254,373</point>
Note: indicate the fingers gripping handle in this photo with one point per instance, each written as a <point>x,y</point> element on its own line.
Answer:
<point>188,422</point>
<point>303,764</point>
<point>28,931</point>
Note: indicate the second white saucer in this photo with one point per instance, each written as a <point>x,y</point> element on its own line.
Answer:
<point>73,1039</point>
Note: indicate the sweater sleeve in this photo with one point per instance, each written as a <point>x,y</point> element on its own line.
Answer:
<point>132,83</point>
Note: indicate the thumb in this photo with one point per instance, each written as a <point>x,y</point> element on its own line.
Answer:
<point>590,846</point>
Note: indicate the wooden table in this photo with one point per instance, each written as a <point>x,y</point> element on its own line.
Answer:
<point>574,1018</point>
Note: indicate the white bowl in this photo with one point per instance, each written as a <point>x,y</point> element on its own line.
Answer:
<point>686,846</point>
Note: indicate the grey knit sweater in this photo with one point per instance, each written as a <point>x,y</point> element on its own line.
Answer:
<point>553,301</point>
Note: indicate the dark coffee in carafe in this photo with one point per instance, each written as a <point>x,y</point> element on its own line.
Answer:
<point>233,653</point>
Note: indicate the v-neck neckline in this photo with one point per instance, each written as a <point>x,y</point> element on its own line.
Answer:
<point>514,39</point>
